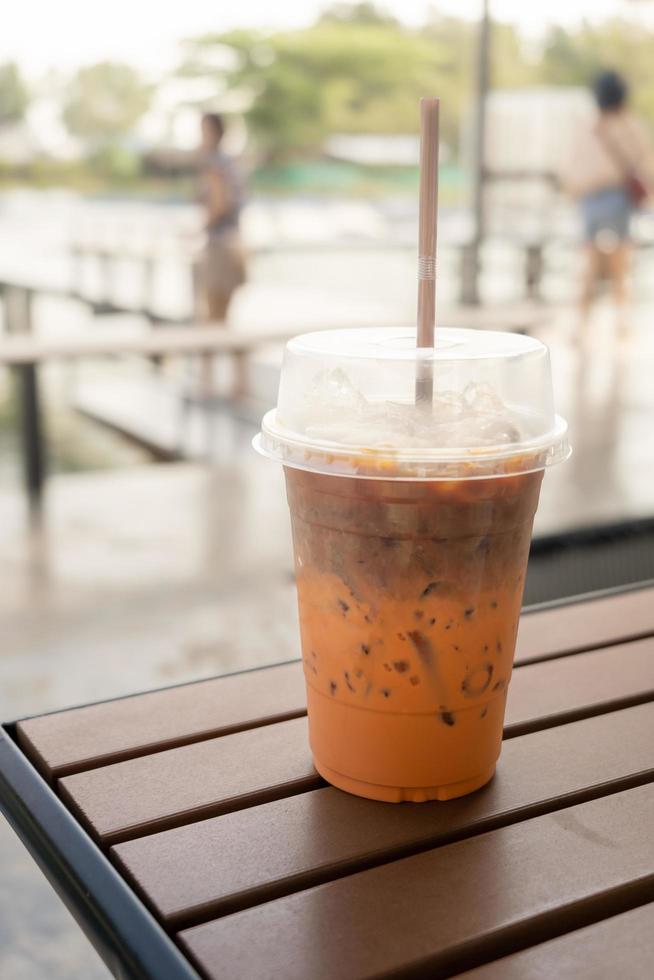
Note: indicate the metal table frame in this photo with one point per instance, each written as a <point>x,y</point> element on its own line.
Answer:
<point>127,937</point>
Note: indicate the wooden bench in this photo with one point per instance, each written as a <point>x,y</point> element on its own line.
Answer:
<point>25,353</point>
<point>190,835</point>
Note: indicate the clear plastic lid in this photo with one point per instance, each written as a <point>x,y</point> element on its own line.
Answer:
<point>347,405</point>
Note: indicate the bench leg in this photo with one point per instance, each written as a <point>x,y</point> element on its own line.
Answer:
<point>534,269</point>
<point>240,381</point>
<point>469,294</point>
<point>33,448</point>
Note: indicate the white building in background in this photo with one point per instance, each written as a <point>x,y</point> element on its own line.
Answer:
<point>530,131</point>
<point>403,151</point>
<point>378,149</point>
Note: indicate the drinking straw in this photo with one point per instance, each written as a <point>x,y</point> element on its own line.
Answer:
<point>428,206</point>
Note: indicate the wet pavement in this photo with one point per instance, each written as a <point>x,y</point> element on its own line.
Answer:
<point>142,577</point>
<point>152,575</point>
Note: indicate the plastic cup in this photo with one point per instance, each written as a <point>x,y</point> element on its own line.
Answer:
<point>411,529</point>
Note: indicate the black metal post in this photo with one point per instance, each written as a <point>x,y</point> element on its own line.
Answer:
<point>18,314</point>
<point>31,432</point>
<point>534,269</point>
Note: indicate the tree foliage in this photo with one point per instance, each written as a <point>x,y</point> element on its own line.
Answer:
<point>358,70</point>
<point>358,13</point>
<point>575,57</point>
<point>346,75</point>
<point>14,96</point>
<point>103,102</point>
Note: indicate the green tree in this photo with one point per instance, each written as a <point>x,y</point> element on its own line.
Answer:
<point>340,75</point>
<point>14,96</point>
<point>509,67</point>
<point>357,70</point>
<point>103,103</point>
<point>574,57</point>
<point>569,58</point>
<point>358,13</point>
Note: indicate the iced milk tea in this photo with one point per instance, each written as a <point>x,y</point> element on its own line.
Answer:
<point>409,598</point>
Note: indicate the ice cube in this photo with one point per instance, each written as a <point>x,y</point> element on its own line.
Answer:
<point>448,405</point>
<point>333,388</point>
<point>481,398</point>
<point>336,411</point>
<point>498,432</point>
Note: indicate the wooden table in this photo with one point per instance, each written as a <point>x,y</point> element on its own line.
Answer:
<point>189,833</point>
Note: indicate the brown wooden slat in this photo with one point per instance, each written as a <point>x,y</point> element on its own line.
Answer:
<point>585,625</point>
<point>546,693</point>
<point>70,741</point>
<point>82,738</point>
<point>202,779</point>
<point>622,946</point>
<point>447,909</point>
<point>215,866</point>
<point>129,799</point>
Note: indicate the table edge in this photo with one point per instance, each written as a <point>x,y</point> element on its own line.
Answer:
<point>124,933</point>
<point>582,598</point>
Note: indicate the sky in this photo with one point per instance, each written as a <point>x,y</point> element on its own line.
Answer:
<point>68,33</point>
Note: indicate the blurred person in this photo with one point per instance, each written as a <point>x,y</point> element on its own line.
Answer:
<point>221,266</point>
<point>610,172</point>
